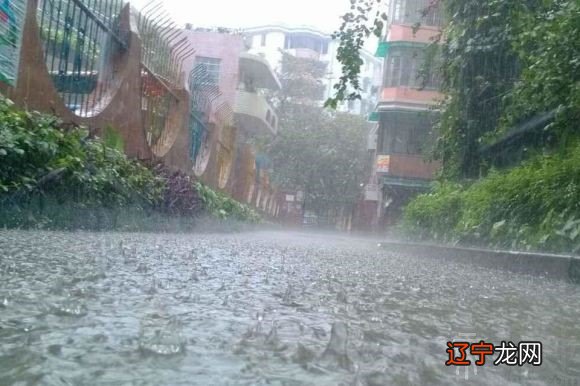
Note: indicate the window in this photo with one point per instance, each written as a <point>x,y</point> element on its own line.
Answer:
<point>298,41</point>
<point>433,17</point>
<point>416,11</point>
<point>414,73</point>
<point>264,40</point>
<point>394,73</point>
<point>399,11</point>
<point>211,67</point>
<point>405,67</point>
<point>406,133</point>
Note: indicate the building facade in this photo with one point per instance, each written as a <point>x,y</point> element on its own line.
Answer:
<point>305,42</point>
<point>224,73</point>
<point>405,111</point>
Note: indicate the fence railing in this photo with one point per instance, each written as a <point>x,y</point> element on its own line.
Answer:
<point>163,50</point>
<point>80,38</point>
<point>203,94</point>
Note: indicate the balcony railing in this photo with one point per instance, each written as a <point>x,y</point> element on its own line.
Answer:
<point>254,114</point>
<point>407,166</point>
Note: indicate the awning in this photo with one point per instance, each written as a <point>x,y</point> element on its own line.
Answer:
<point>374,116</point>
<point>406,182</point>
<point>384,47</point>
<point>382,50</point>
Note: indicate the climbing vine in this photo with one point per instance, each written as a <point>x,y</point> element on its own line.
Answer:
<point>500,61</point>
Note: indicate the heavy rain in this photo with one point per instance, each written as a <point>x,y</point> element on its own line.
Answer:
<point>340,192</point>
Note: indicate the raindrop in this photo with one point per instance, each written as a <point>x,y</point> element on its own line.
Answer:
<point>69,308</point>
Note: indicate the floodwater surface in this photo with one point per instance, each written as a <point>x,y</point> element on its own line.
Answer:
<point>265,308</point>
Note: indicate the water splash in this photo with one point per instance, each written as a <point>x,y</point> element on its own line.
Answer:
<point>336,351</point>
<point>164,341</point>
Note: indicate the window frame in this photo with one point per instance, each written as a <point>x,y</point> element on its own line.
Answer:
<point>212,67</point>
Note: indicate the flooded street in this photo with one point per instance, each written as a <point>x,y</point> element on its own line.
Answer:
<point>264,308</point>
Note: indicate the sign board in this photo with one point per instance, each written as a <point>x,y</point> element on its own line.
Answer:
<point>372,192</point>
<point>383,164</point>
<point>289,198</point>
<point>12,15</point>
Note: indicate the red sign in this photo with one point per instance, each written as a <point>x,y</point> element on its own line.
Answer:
<point>383,164</point>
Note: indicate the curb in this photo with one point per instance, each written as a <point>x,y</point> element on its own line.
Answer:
<point>563,267</point>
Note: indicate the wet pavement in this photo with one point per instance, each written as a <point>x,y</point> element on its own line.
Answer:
<point>265,308</point>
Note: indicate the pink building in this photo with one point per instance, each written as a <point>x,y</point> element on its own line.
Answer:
<point>405,114</point>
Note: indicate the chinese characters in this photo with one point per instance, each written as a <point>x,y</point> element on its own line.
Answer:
<point>524,353</point>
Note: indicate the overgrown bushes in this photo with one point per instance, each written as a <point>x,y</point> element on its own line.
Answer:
<point>38,157</point>
<point>223,207</point>
<point>57,177</point>
<point>535,206</point>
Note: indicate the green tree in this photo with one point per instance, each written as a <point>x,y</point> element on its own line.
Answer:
<point>318,152</point>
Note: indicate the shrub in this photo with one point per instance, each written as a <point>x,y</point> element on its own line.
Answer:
<point>535,206</point>
<point>224,207</point>
<point>51,176</point>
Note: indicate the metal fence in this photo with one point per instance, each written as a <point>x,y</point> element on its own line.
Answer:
<point>203,94</point>
<point>156,102</point>
<point>79,39</point>
<point>163,50</point>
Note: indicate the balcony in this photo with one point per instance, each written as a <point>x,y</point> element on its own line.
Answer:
<point>304,53</point>
<point>408,33</point>
<point>256,72</point>
<point>407,166</point>
<point>408,97</point>
<point>254,115</point>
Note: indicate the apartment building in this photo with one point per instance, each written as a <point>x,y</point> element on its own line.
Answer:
<point>306,42</point>
<point>227,83</point>
<point>405,112</point>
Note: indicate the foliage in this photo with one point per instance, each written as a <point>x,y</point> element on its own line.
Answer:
<point>535,206</point>
<point>38,157</point>
<point>51,176</point>
<point>113,139</point>
<point>549,49</point>
<point>363,20</point>
<point>223,207</point>
<point>479,68</point>
<point>432,215</point>
<point>180,195</point>
<point>502,62</point>
<point>326,160</point>
<point>320,153</point>
<point>301,78</point>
